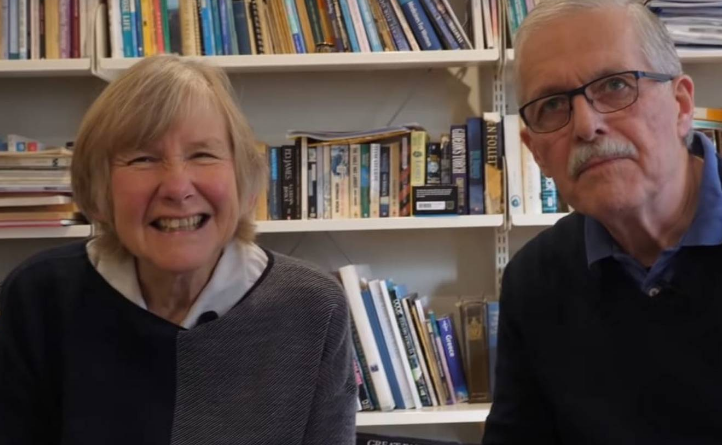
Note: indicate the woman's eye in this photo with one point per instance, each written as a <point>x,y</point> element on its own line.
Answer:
<point>203,155</point>
<point>141,160</point>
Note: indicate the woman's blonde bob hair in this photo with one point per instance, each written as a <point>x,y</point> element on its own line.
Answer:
<point>139,108</point>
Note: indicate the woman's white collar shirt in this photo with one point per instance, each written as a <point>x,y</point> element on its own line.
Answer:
<point>239,268</point>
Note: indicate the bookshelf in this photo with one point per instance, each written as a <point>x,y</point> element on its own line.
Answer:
<point>461,413</point>
<point>432,222</point>
<point>686,55</point>
<point>532,220</point>
<point>45,68</point>
<point>79,231</point>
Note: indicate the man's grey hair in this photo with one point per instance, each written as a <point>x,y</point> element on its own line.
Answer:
<point>655,42</point>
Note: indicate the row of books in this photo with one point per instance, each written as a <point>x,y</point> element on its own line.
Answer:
<point>696,23</point>
<point>378,439</point>
<point>383,172</point>
<point>515,13</point>
<point>46,29</point>
<point>530,191</point>
<point>709,122</point>
<point>140,28</point>
<point>35,185</point>
<point>406,357</point>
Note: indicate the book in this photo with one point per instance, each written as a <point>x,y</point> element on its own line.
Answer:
<point>494,197</point>
<point>458,167</point>
<point>405,177</point>
<point>420,24</point>
<point>433,163</point>
<point>355,178</point>
<point>340,197</point>
<point>384,182</point>
<point>452,352</point>
<point>512,157</point>
<point>492,335</point>
<point>476,350</point>
<point>33,199</point>
<point>419,139</point>
<point>475,152</point>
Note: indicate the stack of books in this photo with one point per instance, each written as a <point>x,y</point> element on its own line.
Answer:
<point>35,186</point>
<point>407,357</point>
<point>697,23</point>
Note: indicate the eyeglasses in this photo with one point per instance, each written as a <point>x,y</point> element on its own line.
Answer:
<point>613,92</point>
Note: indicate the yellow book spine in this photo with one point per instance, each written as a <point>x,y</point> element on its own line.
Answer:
<point>146,11</point>
<point>419,139</point>
<point>52,29</point>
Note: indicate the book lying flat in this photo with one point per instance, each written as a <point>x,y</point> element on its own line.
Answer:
<point>353,137</point>
<point>41,224</point>
<point>32,199</point>
<point>40,213</point>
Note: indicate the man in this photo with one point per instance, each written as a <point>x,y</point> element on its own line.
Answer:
<point>610,329</point>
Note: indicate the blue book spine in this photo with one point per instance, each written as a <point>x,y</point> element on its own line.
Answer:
<point>241,20</point>
<point>370,25</point>
<point>274,197</point>
<point>133,29</point>
<point>457,32</point>
<point>14,52</point>
<point>394,25</point>
<point>365,180</point>
<point>550,202</point>
<point>383,349</point>
<point>492,334</point>
<point>348,21</point>
<point>295,26</point>
<point>3,146</point>
<point>453,357</point>
<point>420,25</point>
<point>220,43</point>
<point>139,29</point>
<point>127,28</point>
<point>475,162</point>
<point>209,48</point>
<point>334,15</point>
<point>440,25</point>
<point>227,6</point>
<point>384,182</point>
<point>225,29</point>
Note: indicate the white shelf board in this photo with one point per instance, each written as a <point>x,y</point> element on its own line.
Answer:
<point>543,220</point>
<point>329,61</point>
<point>336,225</point>
<point>686,55</point>
<point>79,231</point>
<point>45,68</point>
<point>461,413</point>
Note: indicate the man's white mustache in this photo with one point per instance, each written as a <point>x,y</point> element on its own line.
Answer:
<point>584,152</point>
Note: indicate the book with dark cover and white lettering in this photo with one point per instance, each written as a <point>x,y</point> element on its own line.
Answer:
<point>439,24</point>
<point>475,164</point>
<point>365,180</point>
<point>384,193</point>
<point>376,439</point>
<point>275,187</point>
<point>453,357</point>
<point>433,163</point>
<point>367,395</point>
<point>288,181</point>
<point>459,167</point>
<point>339,182</point>
<point>392,21</point>
<point>311,190</point>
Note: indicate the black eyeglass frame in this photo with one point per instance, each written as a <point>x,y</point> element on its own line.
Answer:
<point>659,77</point>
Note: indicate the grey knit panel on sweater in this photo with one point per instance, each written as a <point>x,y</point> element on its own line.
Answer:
<point>276,369</point>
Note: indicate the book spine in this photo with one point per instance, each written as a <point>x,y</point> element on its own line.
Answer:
<point>305,22</point>
<point>221,40</point>
<point>475,164</point>
<point>301,175</point>
<point>441,357</point>
<point>407,305</point>
<point>384,192</point>
<point>375,180</point>
<point>320,179</point>
<point>512,156</point>
<point>295,26</point>
<point>22,29</point>
<point>363,395</point>
<point>550,203</point>
<point>420,25</point>
<point>175,36</point>
<point>312,175</point>
<point>288,181</point>
<point>405,178</point>
<point>394,25</point>
<point>531,181</point>
<point>339,181</point>
<point>433,163</point>
<point>244,33</point>
<point>445,159</point>
<point>227,11</point>
<point>126,28</point>
<point>372,400</point>
<point>411,355</point>
<point>417,312</point>
<point>165,26</point>
<point>350,30</point>
<point>13,48</point>
<point>448,396</point>
<point>493,164</point>
<point>365,180</point>
<point>340,37</point>
<point>452,353</point>
<point>437,21</point>
<point>419,139</point>
<point>492,327</point>
<point>355,166</point>
<point>41,30</point>
<point>394,171</point>
<point>387,40</point>
<point>372,33</point>
<point>327,208</point>
<point>315,20</point>
<point>405,26</point>
<point>453,23</point>
<point>473,317</point>
<point>4,30</point>
<point>158,27</point>
<point>149,48</point>
<point>75,29</point>
<point>139,30</point>
<point>187,31</point>
<point>358,26</point>
<point>52,29</point>
<point>274,187</point>
<point>458,167</point>
<point>206,28</point>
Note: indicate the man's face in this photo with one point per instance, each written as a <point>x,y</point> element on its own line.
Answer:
<point>578,48</point>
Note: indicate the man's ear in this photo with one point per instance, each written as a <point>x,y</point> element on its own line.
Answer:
<point>684,95</point>
<point>526,139</point>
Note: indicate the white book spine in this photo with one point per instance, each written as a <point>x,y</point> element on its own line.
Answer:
<point>375,181</point>
<point>23,29</point>
<point>399,348</point>
<point>512,150</point>
<point>351,279</point>
<point>417,345</point>
<point>116,34</point>
<point>35,29</point>
<point>320,177</point>
<point>488,30</point>
<point>531,178</point>
<point>83,24</point>
<point>394,173</point>
<point>358,26</point>
<point>355,166</point>
<point>91,10</point>
<point>304,178</point>
<point>327,182</point>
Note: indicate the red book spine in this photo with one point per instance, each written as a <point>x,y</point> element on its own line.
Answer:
<point>75,30</point>
<point>158,18</point>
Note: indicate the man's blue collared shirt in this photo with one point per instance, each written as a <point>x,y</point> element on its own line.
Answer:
<point>705,230</point>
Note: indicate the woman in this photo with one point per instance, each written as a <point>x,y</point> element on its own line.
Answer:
<point>172,326</point>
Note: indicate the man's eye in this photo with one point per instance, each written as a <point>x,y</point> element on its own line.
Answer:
<point>614,84</point>
<point>552,104</point>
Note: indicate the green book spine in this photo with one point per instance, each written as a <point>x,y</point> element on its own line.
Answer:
<point>166,27</point>
<point>365,183</point>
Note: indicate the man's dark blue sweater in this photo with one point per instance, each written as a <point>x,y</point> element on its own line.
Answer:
<point>592,352</point>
